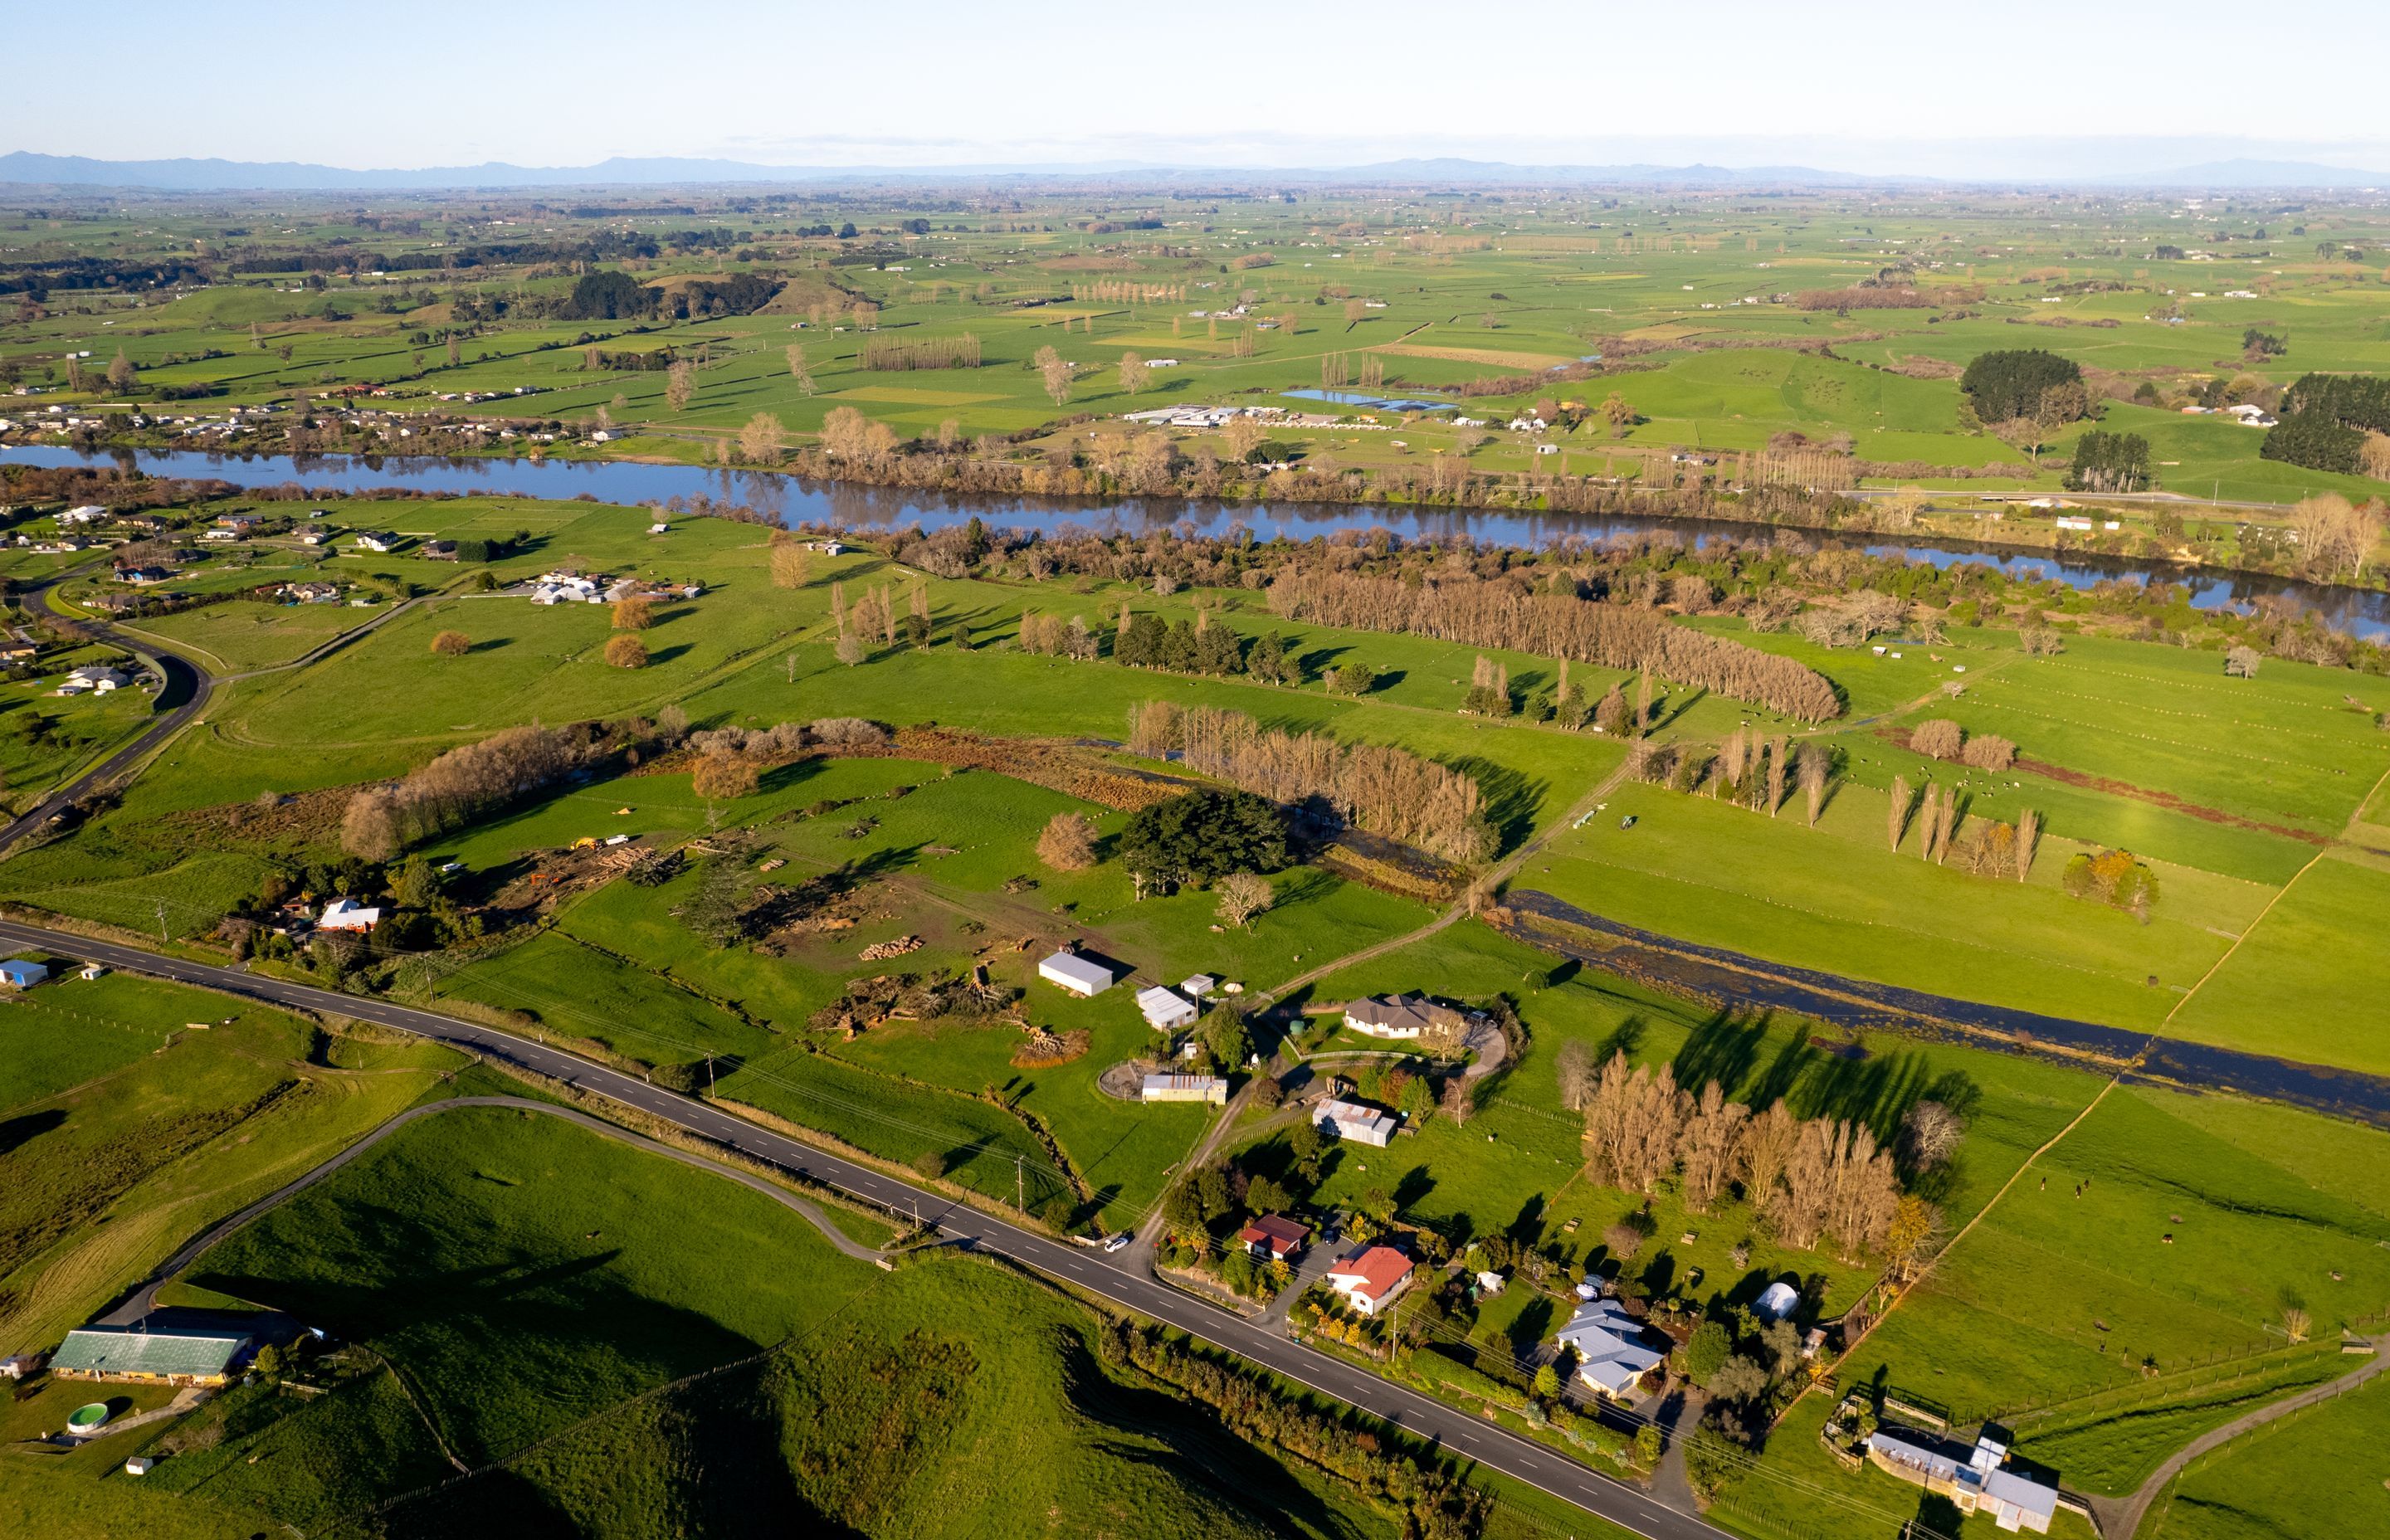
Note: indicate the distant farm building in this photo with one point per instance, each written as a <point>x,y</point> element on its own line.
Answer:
<point>347,914</point>
<point>1975,1480</point>
<point>1164,1010</point>
<point>23,974</point>
<point>1352,1120</point>
<point>1211,1089</point>
<point>159,1357</point>
<point>1076,973</point>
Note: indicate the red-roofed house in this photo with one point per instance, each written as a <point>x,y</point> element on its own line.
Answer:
<point>1371,1280</point>
<point>1273,1236</point>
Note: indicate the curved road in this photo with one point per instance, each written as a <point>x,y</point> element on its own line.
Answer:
<point>1455,1432</point>
<point>182,697</point>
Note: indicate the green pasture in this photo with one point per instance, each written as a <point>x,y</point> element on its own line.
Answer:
<point>2071,1284</point>
<point>1835,897</point>
<point>138,1112</point>
<point>2316,1472</point>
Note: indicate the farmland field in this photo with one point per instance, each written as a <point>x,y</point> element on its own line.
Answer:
<point>1277,600</point>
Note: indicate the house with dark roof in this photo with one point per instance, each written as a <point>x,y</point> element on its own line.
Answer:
<point>1275,1238</point>
<point>1404,1017</point>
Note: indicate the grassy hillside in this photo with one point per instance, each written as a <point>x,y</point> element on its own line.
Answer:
<point>618,1345</point>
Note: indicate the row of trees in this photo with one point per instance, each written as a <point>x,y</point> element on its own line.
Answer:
<point>1993,849</point>
<point>1477,613</point>
<point>890,354</point>
<point>464,783</point>
<point>1818,1179</point>
<point>1383,789</point>
<point>2110,462</point>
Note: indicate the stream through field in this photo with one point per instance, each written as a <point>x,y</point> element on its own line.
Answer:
<point>846,504</point>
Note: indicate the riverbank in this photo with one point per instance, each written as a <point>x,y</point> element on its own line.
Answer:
<point>2021,548</point>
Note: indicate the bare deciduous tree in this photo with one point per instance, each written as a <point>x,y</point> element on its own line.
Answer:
<point>1242,896</point>
<point>1068,842</point>
<point>763,440</point>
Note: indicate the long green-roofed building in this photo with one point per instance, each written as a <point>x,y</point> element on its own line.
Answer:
<point>160,1357</point>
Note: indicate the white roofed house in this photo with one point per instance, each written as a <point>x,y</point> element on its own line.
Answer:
<point>347,914</point>
<point>1612,1355</point>
<point>381,542</point>
<point>1077,974</point>
<point>1404,1017</point>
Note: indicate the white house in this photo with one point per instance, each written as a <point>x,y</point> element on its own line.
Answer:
<point>1611,1352</point>
<point>22,972</point>
<point>1076,973</point>
<point>1401,1017</point>
<point>89,513</point>
<point>1372,1279</point>
<point>1165,1010</point>
<point>1197,987</point>
<point>347,914</point>
<point>379,542</point>
<point>1351,1120</point>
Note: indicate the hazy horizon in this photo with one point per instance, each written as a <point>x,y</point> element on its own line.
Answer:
<point>806,88</point>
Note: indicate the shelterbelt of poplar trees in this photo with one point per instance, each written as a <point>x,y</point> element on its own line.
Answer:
<point>1495,615</point>
<point>1386,790</point>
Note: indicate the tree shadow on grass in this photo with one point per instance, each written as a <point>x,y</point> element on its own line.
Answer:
<point>1723,1048</point>
<point>1197,1454</point>
<point>667,655</point>
<point>1528,1328</point>
<point>489,644</point>
<point>28,1126</point>
<point>1511,799</point>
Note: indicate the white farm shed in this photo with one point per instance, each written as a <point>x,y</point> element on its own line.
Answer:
<point>1076,973</point>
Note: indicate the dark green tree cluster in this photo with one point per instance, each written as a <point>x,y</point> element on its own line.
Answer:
<point>2110,462</point>
<point>2324,420</point>
<point>2012,383</point>
<point>1179,648</point>
<point>616,296</point>
<point>1190,840</point>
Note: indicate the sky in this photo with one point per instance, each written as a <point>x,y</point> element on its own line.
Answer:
<point>2028,88</point>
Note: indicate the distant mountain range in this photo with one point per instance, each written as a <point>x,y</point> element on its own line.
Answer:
<point>24,168</point>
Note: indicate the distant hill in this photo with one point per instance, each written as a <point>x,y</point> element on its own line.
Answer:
<point>24,168</point>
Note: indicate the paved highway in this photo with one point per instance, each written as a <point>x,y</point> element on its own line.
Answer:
<point>1459,1433</point>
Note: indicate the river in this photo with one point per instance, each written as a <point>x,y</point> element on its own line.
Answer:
<point>854,506</point>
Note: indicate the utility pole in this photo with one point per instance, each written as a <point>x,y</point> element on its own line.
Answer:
<point>709,1074</point>
<point>1019,1200</point>
<point>161,919</point>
